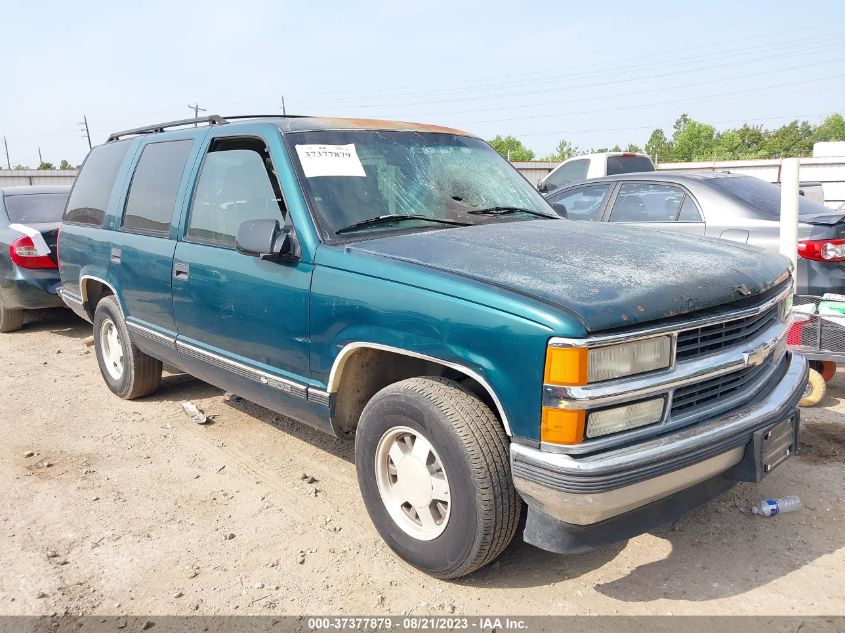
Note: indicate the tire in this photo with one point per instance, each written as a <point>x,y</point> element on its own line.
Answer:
<point>814,391</point>
<point>828,370</point>
<point>468,450</point>
<point>10,320</point>
<point>135,374</point>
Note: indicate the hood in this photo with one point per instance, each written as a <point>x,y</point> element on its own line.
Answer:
<point>610,276</point>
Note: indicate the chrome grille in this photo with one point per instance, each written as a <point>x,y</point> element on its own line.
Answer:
<point>712,338</point>
<point>689,398</point>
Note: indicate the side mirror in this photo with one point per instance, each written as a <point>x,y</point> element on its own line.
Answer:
<point>266,239</point>
<point>560,209</point>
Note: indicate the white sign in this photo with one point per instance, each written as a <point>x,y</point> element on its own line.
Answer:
<point>330,160</point>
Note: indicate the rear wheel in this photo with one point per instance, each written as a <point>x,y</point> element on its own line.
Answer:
<point>433,468</point>
<point>10,320</point>
<point>814,391</point>
<point>128,372</point>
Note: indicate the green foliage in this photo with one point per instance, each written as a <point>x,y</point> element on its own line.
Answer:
<point>65,165</point>
<point>563,151</point>
<point>20,167</point>
<point>46,165</point>
<point>511,148</point>
<point>693,140</point>
<point>831,129</point>
<point>659,147</point>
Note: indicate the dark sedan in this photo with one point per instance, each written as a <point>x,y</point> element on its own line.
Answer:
<point>29,274</point>
<point>720,205</point>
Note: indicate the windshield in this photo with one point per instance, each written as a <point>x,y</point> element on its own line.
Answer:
<point>763,197</point>
<point>32,208</point>
<point>354,177</point>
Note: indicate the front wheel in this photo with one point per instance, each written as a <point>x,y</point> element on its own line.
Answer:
<point>433,468</point>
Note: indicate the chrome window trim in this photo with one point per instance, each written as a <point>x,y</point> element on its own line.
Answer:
<point>601,340</point>
<point>349,348</point>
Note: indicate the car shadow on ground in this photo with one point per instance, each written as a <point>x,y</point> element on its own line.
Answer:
<point>59,321</point>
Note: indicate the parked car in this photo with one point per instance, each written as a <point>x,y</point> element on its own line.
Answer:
<point>594,165</point>
<point>714,204</point>
<point>402,284</point>
<point>29,274</point>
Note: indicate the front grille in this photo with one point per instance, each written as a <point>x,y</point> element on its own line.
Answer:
<point>691,397</point>
<point>712,338</point>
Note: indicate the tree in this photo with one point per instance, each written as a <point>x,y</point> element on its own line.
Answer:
<point>511,148</point>
<point>743,142</point>
<point>831,129</point>
<point>659,147</point>
<point>563,151</point>
<point>46,165</point>
<point>693,140</point>
<point>19,167</point>
<point>792,139</point>
<point>65,165</point>
<point>636,149</point>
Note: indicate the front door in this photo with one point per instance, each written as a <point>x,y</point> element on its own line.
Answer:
<point>242,322</point>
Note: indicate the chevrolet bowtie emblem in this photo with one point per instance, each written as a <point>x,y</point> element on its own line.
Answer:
<point>759,354</point>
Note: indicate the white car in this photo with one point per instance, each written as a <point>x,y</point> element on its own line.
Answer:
<point>594,166</point>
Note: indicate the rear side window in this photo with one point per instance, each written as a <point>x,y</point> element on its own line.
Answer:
<point>763,197</point>
<point>583,203</point>
<point>645,202</point>
<point>152,194</point>
<point>92,189</point>
<point>628,164</point>
<point>570,172</point>
<point>35,207</point>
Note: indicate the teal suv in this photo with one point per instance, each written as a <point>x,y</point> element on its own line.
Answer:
<point>403,285</point>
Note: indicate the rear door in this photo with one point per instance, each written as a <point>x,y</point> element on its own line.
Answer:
<point>142,246</point>
<point>658,205</point>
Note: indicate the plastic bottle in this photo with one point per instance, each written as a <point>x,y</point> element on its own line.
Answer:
<point>771,507</point>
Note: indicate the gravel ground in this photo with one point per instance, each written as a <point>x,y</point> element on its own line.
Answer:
<point>117,507</point>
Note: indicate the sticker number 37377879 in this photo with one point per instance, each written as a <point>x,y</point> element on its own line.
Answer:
<point>330,160</point>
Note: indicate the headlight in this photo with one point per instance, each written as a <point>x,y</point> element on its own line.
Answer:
<point>624,418</point>
<point>574,366</point>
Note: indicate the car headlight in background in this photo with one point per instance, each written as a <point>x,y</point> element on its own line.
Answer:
<point>577,366</point>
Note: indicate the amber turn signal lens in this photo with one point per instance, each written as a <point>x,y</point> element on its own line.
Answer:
<point>562,426</point>
<point>566,366</point>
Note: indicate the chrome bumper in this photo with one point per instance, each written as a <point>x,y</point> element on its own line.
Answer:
<point>583,490</point>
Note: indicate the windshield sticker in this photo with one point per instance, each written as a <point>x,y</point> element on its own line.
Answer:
<point>330,160</point>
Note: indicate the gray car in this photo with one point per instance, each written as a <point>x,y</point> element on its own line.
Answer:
<point>29,273</point>
<point>720,205</point>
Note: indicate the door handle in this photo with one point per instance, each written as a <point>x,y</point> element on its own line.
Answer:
<point>115,255</point>
<point>180,270</point>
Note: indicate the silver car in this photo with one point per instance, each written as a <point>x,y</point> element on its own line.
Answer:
<point>720,205</point>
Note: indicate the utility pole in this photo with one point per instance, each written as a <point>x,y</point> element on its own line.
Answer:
<point>83,125</point>
<point>40,160</point>
<point>284,111</point>
<point>6,144</point>
<point>196,110</point>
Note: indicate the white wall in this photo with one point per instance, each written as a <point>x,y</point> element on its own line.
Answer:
<point>17,177</point>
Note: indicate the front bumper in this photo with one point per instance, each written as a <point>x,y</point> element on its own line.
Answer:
<point>578,492</point>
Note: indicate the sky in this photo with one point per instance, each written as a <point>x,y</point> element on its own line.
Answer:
<point>593,73</point>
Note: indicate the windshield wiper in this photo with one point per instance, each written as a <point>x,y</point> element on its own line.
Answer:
<point>502,210</point>
<point>387,219</point>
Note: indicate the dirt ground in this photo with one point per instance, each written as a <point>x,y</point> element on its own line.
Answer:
<point>132,508</point>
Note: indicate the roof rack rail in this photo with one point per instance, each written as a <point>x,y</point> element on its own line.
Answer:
<point>213,119</point>
<point>267,116</point>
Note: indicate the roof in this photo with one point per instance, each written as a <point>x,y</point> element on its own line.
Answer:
<point>30,189</point>
<point>290,124</point>
<point>672,176</point>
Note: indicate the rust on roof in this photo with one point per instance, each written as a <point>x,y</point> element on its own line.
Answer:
<point>341,123</point>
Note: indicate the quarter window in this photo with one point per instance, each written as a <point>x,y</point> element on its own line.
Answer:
<point>237,183</point>
<point>647,202</point>
<point>583,203</point>
<point>152,194</point>
<point>689,211</point>
<point>92,189</point>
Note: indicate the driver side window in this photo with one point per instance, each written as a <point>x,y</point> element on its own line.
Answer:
<point>237,183</point>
